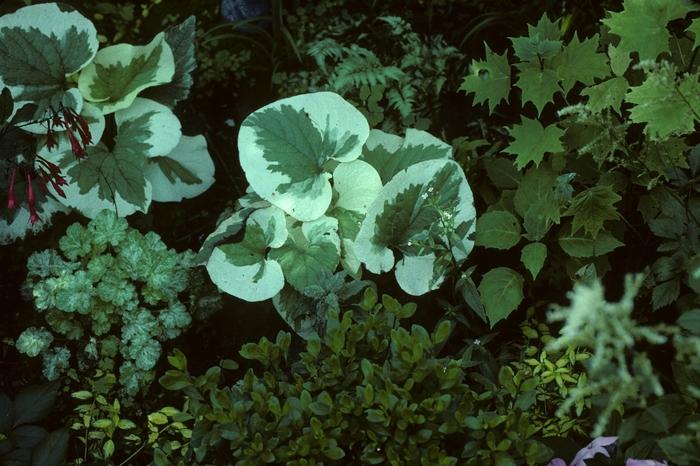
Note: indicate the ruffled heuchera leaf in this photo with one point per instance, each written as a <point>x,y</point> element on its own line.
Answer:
<point>641,25</point>
<point>389,154</point>
<point>119,72</point>
<point>186,172</point>
<point>488,80</point>
<point>40,45</point>
<point>410,211</point>
<point>284,148</point>
<point>310,251</point>
<point>241,269</point>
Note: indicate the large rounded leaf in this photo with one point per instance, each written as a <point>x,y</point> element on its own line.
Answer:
<point>284,148</point>
<point>156,125</point>
<point>39,46</point>
<point>241,269</point>
<point>184,173</point>
<point>357,184</point>
<point>389,154</point>
<point>119,72</point>
<point>429,202</point>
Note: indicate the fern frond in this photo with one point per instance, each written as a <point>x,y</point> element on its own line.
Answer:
<point>325,48</point>
<point>402,99</point>
<point>363,67</point>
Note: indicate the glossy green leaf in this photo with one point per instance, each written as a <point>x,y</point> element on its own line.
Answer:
<point>533,256</point>
<point>501,292</point>
<point>497,229</point>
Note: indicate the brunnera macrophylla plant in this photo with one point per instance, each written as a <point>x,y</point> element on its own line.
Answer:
<point>326,192</point>
<point>64,91</point>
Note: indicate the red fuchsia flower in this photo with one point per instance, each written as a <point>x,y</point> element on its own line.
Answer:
<point>11,190</point>
<point>75,146</point>
<point>72,122</point>
<point>50,140</point>
<point>49,172</point>
<point>33,216</point>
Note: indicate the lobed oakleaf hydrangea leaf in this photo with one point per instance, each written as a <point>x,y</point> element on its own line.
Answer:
<point>530,48</point>
<point>501,291</point>
<point>619,60</point>
<point>579,61</point>
<point>488,80</point>
<point>641,25</point>
<point>606,94</point>
<point>285,145</point>
<point>545,29</point>
<point>533,141</point>
<point>119,72</point>
<point>668,105</point>
<point>538,85</point>
<point>694,28</point>
<point>592,207</point>
<point>40,45</point>
<point>242,269</point>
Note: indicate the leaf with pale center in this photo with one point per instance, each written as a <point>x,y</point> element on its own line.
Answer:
<point>285,147</point>
<point>40,45</point>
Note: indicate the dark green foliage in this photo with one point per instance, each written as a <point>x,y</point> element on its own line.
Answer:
<point>22,441</point>
<point>369,391</point>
